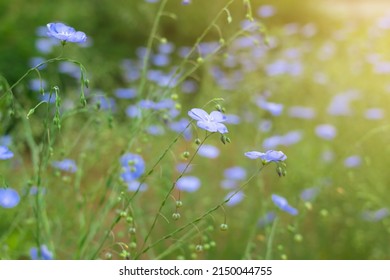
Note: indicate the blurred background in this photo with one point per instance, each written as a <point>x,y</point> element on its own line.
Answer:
<point>314,83</point>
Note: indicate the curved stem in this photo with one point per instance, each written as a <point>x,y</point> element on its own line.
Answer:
<point>215,208</point>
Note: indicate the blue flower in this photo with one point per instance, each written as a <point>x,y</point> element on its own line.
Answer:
<point>133,167</point>
<point>326,131</point>
<point>67,165</point>
<point>269,156</point>
<point>235,173</point>
<point>43,254</point>
<point>282,203</point>
<point>268,218</point>
<point>375,216</point>
<point>211,122</point>
<point>235,199</point>
<point>65,33</point>
<point>309,194</point>
<point>352,161</point>
<point>9,198</point>
<point>5,153</point>
<point>208,151</point>
<point>188,184</point>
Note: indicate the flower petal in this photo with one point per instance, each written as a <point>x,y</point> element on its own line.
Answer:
<point>209,126</point>
<point>218,116</point>
<point>254,154</point>
<point>198,114</point>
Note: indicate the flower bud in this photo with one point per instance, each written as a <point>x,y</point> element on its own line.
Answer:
<point>179,203</point>
<point>223,227</point>
<point>199,248</point>
<point>186,155</point>
<point>176,216</point>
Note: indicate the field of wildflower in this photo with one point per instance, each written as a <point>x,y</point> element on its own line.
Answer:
<point>179,129</point>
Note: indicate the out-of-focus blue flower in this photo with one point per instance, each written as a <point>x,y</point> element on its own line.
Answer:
<point>37,84</point>
<point>237,173</point>
<point>282,203</point>
<point>67,165</point>
<point>268,218</point>
<point>229,184</point>
<point>309,194</point>
<point>266,11</point>
<point>155,130</point>
<point>65,33</point>
<point>352,161</point>
<point>134,185</point>
<point>374,114</point>
<point>182,167</point>
<point>375,216</point>
<point>5,140</point>
<point>281,67</point>
<point>265,125</point>
<point>42,254</point>
<point>212,122</point>
<point>5,153</point>
<point>235,199</point>
<point>189,86</point>
<point>133,166</point>
<point>69,68</point>
<point>133,111</point>
<point>326,131</point>
<point>125,93</point>
<point>291,138</point>
<point>161,60</point>
<point>274,108</point>
<point>34,190</point>
<point>188,184</point>
<point>232,119</point>
<point>208,151</point>
<point>105,103</point>
<point>269,156</point>
<point>9,198</point>
<point>340,103</point>
<point>49,98</point>
<point>180,125</point>
<point>166,48</point>
<point>45,45</point>
<point>301,112</point>
<point>186,2</point>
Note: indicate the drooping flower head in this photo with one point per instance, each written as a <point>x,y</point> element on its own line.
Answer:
<point>65,33</point>
<point>211,122</point>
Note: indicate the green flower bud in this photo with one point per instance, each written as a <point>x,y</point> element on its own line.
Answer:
<point>176,216</point>
<point>199,248</point>
<point>186,155</point>
<point>223,227</point>
<point>179,203</point>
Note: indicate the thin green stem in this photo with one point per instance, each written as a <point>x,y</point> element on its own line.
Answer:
<point>270,241</point>
<point>210,211</point>
<point>167,195</point>
<point>149,46</point>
